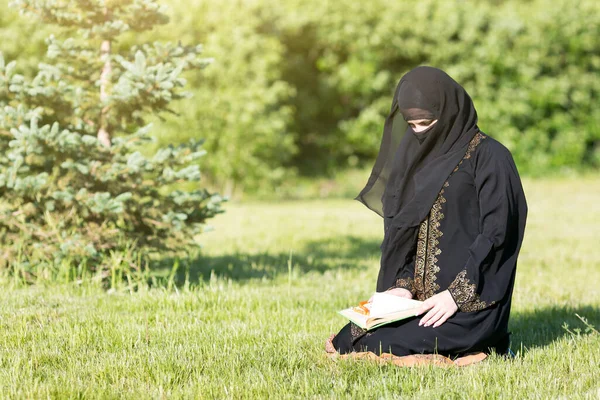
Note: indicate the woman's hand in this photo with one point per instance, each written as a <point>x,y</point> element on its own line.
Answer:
<point>441,307</point>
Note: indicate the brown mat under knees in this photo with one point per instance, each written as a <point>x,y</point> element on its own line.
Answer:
<point>405,361</point>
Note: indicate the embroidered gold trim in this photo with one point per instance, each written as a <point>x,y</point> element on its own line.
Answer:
<point>420,258</point>
<point>356,331</point>
<point>472,145</point>
<point>435,216</point>
<point>405,283</point>
<point>426,267</point>
<point>465,295</point>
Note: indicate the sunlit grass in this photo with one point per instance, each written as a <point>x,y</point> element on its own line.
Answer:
<point>253,318</point>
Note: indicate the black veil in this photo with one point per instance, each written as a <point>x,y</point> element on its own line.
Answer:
<point>408,174</point>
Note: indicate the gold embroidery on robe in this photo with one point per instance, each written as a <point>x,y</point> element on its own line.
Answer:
<point>420,259</point>
<point>472,144</point>
<point>465,294</point>
<point>356,331</point>
<point>426,267</point>
<point>430,287</point>
<point>405,283</point>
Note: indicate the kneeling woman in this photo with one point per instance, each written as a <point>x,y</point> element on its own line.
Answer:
<point>454,215</point>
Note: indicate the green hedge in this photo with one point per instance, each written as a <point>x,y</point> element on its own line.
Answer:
<point>304,85</point>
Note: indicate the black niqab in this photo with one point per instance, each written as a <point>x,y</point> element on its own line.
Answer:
<point>408,175</point>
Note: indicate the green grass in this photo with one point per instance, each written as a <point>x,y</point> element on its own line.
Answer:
<point>251,323</point>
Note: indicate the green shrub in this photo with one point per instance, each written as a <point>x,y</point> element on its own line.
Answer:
<point>77,181</point>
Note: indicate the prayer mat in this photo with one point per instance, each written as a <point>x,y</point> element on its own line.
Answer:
<point>405,361</point>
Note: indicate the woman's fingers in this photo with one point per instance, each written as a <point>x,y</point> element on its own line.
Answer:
<point>427,305</point>
<point>432,316</point>
<point>443,319</point>
<point>426,317</point>
<point>441,307</point>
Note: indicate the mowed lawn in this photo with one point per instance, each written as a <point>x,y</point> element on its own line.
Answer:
<point>252,320</point>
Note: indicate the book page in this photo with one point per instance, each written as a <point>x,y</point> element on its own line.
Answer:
<point>384,303</point>
<point>358,319</point>
<point>383,309</point>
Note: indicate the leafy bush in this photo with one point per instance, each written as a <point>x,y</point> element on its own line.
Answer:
<point>531,68</point>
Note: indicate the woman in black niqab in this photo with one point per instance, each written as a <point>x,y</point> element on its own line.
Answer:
<point>454,216</point>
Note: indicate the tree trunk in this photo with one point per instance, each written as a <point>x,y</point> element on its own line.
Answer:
<point>103,134</point>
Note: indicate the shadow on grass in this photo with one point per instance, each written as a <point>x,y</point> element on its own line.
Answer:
<point>530,329</point>
<point>347,252</point>
<point>541,327</point>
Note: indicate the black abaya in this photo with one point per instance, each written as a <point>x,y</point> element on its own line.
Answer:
<point>467,244</point>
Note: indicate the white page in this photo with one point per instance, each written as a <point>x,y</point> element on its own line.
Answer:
<point>384,303</point>
<point>358,319</point>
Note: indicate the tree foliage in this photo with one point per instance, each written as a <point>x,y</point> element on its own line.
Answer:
<point>67,194</point>
<point>304,85</point>
<point>531,68</point>
<point>242,105</point>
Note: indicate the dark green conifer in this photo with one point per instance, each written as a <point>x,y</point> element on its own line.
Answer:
<point>78,180</point>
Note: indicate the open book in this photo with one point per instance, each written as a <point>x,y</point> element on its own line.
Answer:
<point>383,309</point>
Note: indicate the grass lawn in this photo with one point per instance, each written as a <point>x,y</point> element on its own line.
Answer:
<point>262,300</point>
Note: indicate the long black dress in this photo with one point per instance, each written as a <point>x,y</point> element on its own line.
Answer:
<point>467,244</point>
<point>458,250</point>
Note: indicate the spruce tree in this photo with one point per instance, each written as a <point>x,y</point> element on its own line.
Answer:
<point>79,180</point>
